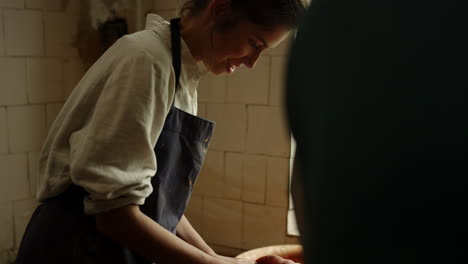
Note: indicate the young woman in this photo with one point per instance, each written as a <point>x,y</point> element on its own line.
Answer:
<point>118,166</point>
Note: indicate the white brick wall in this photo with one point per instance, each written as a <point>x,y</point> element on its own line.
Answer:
<point>34,4</point>
<point>14,184</point>
<point>13,76</point>
<point>49,5</point>
<point>3,131</point>
<point>277,80</point>
<point>2,41</point>
<point>27,128</point>
<point>231,126</point>
<point>45,80</point>
<point>267,131</point>
<point>212,88</point>
<point>23,32</point>
<point>167,4</point>
<point>12,3</point>
<point>250,86</point>
<point>277,183</point>
<point>6,227</point>
<point>222,222</point>
<point>60,32</point>
<point>38,69</point>
<point>254,179</point>
<point>234,176</point>
<point>263,225</point>
<point>211,183</point>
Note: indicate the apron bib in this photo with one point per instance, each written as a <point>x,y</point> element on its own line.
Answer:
<point>60,232</point>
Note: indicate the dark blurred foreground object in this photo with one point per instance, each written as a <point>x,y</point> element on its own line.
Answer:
<point>377,102</point>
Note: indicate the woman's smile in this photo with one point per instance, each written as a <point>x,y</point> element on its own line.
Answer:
<point>230,68</point>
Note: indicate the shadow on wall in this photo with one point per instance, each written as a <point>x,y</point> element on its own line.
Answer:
<point>102,22</point>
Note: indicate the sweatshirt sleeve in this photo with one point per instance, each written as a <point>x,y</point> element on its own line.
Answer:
<point>112,156</point>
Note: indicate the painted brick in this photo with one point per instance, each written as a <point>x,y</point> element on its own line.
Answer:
<point>74,7</point>
<point>294,240</point>
<point>52,112</point>
<point>23,32</point>
<point>212,88</point>
<point>60,33</point>
<point>222,222</point>
<point>283,47</point>
<point>21,121</point>
<point>210,182</point>
<point>33,173</point>
<point>263,226</point>
<point>194,213</point>
<point>50,5</point>
<point>12,254</point>
<point>3,131</point>
<point>2,46</point>
<point>6,227</point>
<point>249,86</point>
<point>13,76</point>
<point>201,111</point>
<point>12,3</point>
<point>45,80</point>
<point>254,178</point>
<point>167,14</point>
<point>14,182</point>
<point>73,71</point>
<point>146,7</point>
<point>167,4</point>
<point>5,257</point>
<point>231,130</point>
<point>277,81</point>
<point>23,211</point>
<point>267,131</point>
<point>277,184</point>
<point>54,5</point>
<point>233,177</point>
<point>34,4</point>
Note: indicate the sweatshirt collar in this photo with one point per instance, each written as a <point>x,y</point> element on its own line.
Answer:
<point>190,67</point>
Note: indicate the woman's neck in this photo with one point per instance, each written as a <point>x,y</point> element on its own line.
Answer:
<point>194,36</point>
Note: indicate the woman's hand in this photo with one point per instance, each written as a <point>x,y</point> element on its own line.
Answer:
<point>274,259</point>
<point>227,260</point>
<point>270,259</point>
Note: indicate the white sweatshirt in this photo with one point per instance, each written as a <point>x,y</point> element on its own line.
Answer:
<point>103,138</point>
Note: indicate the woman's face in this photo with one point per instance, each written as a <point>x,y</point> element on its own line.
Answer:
<point>241,44</point>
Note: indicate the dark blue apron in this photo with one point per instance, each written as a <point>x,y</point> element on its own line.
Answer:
<point>60,232</point>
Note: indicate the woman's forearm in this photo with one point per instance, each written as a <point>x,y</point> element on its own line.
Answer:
<point>186,231</point>
<point>133,229</point>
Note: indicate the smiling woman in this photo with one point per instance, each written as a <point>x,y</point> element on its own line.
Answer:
<point>230,34</point>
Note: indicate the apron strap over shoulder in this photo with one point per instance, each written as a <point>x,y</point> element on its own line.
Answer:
<point>175,44</point>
